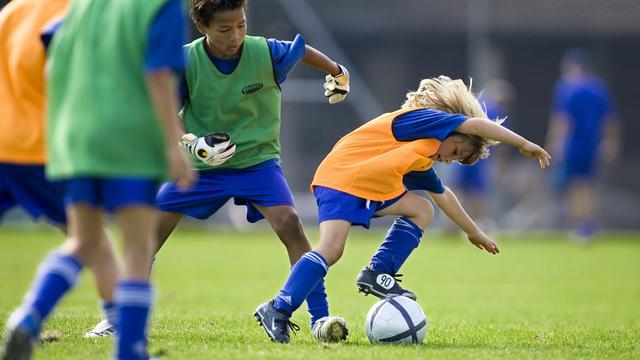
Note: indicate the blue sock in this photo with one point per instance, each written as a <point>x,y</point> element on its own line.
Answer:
<point>110,312</point>
<point>403,237</point>
<point>133,300</point>
<point>317,303</point>
<point>56,275</point>
<point>304,277</point>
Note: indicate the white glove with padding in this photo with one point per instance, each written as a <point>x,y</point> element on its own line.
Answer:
<point>213,149</point>
<point>336,87</point>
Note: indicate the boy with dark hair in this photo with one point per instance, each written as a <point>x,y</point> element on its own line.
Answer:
<point>232,84</point>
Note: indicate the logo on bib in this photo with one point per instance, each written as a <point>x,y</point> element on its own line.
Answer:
<point>250,89</point>
<point>386,281</point>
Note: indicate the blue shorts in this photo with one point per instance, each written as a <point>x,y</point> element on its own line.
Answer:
<point>338,205</point>
<point>26,186</point>
<point>110,193</point>
<point>579,167</point>
<point>572,169</point>
<point>263,184</point>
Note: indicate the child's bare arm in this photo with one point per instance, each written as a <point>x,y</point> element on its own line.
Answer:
<point>162,89</point>
<point>449,204</point>
<point>611,144</point>
<point>488,129</point>
<point>336,86</point>
<point>556,133</point>
<point>315,58</point>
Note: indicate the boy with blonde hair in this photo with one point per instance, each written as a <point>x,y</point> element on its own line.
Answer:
<point>362,177</point>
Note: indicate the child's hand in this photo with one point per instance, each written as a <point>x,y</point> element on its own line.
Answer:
<point>337,86</point>
<point>482,241</point>
<point>180,168</point>
<point>534,151</point>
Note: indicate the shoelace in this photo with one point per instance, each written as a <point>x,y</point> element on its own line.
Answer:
<point>290,325</point>
<point>397,277</point>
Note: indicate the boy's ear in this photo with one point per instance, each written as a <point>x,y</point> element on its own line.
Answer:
<point>201,28</point>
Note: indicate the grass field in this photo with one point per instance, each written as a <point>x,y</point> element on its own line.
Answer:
<point>542,297</point>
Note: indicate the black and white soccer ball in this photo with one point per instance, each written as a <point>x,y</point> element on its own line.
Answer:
<point>396,320</point>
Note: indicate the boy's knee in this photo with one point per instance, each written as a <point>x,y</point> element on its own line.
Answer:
<point>424,214</point>
<point>288,223</point>
<point>332,255</point>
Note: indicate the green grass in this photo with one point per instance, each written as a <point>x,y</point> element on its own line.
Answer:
<point>542,297</point>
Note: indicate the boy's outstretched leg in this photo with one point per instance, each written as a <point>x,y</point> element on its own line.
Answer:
<point>134,294</point>
<point>287,225</point>
<point>107,326</point>
<point>56,275</point>
<point>106,272</point>
<point>304,277</point>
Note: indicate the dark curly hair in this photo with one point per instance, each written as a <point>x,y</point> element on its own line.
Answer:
<point>202,11</point>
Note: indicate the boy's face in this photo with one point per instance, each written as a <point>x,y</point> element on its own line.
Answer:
<point>453,148</point>
<point>225,33</point>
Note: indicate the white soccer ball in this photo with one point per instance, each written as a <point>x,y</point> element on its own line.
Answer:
<point>396,320</point>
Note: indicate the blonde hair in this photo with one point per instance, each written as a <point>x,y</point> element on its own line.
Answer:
<point>453,97</point>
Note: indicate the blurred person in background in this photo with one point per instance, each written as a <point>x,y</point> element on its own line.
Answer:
<point>26,27</point>
<point>583,130</point>
<point>472,183</point>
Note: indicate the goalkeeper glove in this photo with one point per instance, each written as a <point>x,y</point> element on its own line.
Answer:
<point>213,149</point>
<point>336,87</point>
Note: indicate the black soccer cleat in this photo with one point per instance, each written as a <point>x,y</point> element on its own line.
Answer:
<point>381,284</point>
<point>18,345</point>
<point>275,323</point>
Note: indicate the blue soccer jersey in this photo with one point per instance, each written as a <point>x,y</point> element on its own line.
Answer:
<point>586,104</point>
<point>426,123</point>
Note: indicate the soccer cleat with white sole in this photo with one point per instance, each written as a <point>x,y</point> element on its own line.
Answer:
<point>381,284</point>
<point>275,323</point>
<point>330,329</point>
<point>103,329</point>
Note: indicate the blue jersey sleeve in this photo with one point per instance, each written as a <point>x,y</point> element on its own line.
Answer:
<point>285,55</point>
<point>165,39</point>
<point>47,33</point>
<point>426,123</point>
<point>424,180</point>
